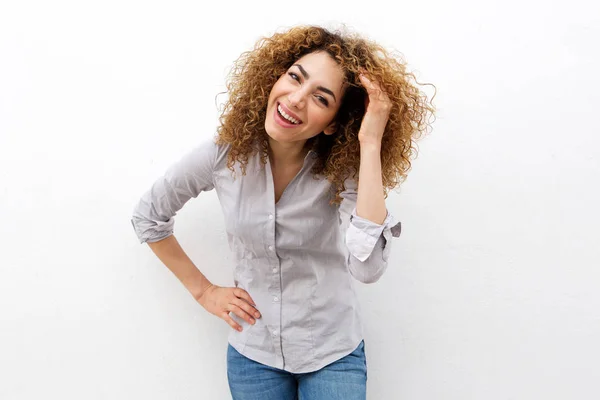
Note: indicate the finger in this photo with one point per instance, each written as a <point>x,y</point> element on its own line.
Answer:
<point>241,313</point>
<point>230,321</point>
<point>366,81</point>
<point>242,294</point>
<point>368,87</point>
<point>246,307</point>
<point>373,88</point>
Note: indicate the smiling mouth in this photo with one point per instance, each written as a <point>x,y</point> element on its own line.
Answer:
<point>287,117</point>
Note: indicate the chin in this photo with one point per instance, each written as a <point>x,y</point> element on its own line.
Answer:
<point>279,138</point>
<point>276,134</point>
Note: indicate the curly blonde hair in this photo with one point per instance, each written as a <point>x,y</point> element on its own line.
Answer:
<point>255,72</point>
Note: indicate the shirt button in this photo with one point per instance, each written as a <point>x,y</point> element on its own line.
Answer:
<point>275,298</point>
<point>274,269</point>
<point>274,333</point>
<point>270,216</point>
<point>271,248</point>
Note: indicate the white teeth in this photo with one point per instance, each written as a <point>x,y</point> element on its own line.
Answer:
<point>284,115</point>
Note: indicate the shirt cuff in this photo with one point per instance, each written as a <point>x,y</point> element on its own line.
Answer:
<point>152,231</point>
<point>363,234</point>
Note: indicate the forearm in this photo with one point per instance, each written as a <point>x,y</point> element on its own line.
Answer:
<point>370,203</point>
<point>172,255</point>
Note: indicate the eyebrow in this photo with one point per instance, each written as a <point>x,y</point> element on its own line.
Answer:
<point>307,76</point>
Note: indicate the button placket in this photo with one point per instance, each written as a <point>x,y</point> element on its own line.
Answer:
<point>275,287</point>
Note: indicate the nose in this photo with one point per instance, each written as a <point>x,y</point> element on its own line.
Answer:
<point>296,99</point>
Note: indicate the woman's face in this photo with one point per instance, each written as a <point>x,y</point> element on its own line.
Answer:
<point>310,92</point>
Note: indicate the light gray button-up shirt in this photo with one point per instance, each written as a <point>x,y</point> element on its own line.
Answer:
<point>296,258</point>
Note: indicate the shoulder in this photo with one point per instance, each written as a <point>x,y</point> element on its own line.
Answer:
<point>209,153</point>
<point>201,160</point>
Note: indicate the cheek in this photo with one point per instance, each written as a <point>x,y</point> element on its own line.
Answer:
<point>321,116</point>
<point>273,93</point>
<point>275,90</point>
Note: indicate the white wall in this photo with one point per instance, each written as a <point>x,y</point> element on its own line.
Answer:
<point>492,291</point>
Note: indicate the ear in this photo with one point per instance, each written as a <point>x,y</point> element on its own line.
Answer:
<point>331,128</point>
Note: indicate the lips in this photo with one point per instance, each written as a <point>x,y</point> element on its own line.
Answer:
<point>279,120</point>
<point>290,113</point>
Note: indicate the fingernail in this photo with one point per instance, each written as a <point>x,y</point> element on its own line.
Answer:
<point>240,329</point>
<point>257,315</point>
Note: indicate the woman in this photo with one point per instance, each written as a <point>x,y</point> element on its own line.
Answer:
<point>317,128</point>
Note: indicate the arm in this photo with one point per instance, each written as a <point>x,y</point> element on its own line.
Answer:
<point>368,242</point>
<point>219,301</point>
<point>370,225</point>
<point>153,223</point>
<point>172,255</point>
<point>371,203</point>
<point>153,216</point>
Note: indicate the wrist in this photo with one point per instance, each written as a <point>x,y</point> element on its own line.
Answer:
<point>370,144</point>
<point>198,290</point>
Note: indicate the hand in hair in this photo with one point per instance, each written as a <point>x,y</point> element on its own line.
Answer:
<point>378,106</point>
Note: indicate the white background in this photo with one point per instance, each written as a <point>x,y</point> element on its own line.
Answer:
<point>492,291</point>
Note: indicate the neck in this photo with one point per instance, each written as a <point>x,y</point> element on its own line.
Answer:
<point>283,154</point>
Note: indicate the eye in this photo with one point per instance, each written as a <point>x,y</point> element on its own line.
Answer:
<point>294,76</point>
<point>323,100</point>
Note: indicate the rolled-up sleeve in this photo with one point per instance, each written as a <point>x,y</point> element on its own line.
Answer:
<point>153,215</point>
<point>368,243</point>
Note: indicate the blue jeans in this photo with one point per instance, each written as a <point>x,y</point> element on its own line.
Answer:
<point>343,379</point>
